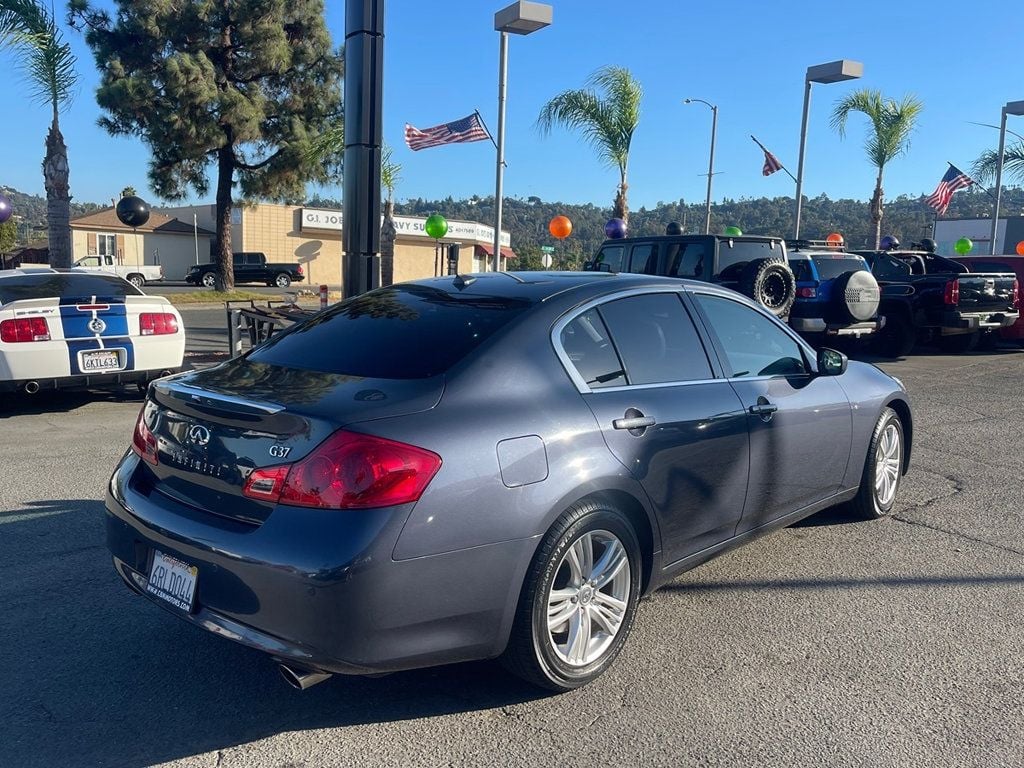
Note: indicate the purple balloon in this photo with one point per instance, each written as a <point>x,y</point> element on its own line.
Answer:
<point>889,242</point>
<point>615,228</point>
<point>6,209</point>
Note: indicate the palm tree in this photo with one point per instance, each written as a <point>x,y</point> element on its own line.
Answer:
<point>892,122</point>
<point>606,112</point>
<point>984,167</point>
<point>49,66</point>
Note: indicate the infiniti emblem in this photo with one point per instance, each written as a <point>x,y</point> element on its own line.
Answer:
<point>198,434</point>
<point>97,326</point>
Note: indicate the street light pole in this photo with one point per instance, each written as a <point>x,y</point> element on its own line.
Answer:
<point>711,159</point>
<point>520,18</point>
<point>833,72</point>
<point>1010,108</point>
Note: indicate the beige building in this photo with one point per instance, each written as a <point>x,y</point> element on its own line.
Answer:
<point>312,237</point>
<point>169,242</point>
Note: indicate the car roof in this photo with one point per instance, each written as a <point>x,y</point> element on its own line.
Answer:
<point>20,271</point>
<point>692,236</point>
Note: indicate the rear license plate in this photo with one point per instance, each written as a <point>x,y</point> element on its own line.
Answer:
<point>100,360</point>
<point>172,580</point>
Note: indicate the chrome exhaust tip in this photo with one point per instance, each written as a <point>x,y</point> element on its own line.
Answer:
<point>301,679</point>
<point>31,387</point>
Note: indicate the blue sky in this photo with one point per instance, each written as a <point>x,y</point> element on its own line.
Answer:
<point>748,57</point>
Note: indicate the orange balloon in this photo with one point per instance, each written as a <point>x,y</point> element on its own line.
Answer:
<point>834,239</point>
<point>560,227</point>
<point>1020,248</point>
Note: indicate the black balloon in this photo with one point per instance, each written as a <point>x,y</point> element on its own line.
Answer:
<point>674,228</point>
<point>132,211</point>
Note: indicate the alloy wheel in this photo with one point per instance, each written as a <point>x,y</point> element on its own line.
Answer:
<point>888,459</point>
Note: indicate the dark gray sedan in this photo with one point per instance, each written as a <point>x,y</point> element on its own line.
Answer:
<point>488,466</point>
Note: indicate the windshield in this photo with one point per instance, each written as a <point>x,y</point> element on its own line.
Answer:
<point>401,332</point>
<point>64,285</point>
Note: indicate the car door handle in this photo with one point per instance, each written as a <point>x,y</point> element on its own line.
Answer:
<point>763,408</point>
<point>634,422</point>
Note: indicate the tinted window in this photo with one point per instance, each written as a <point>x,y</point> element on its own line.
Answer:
<point>610,259</point>
<point>754,344</point>
<point>656,339</point>
<point>400,332</point>
<point>801,269</point>
<point>885,267</point>
<point>64,285</point>
<point>743,251</point>
<point>589,347</point>
<point>831,267</point>
<point>689,261</point>
<point>644,259</point>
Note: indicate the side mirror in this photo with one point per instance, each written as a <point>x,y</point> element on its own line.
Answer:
<point>831,362</point>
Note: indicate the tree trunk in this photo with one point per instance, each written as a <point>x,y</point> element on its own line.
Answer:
<point>876,210</point>
<point>225,176</point>
<point>620,207</point>
<point>387,244</point>
<point>58,197</point>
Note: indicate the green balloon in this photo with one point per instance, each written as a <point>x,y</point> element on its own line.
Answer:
<point>436,226</point>
<point>733,231</point>
<point>963,246</point>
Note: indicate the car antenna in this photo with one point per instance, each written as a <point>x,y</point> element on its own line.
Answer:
<point>462,281</point>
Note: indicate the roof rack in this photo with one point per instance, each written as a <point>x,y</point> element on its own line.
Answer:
<point>804,244</point>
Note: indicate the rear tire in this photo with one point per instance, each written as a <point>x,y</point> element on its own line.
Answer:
<point>897,337</point>
<point>960,343</point>
<point>883,468</point>
<point>595,597</point>
<point>771,284</point>
<point>282,280</point>
<point>137,280</point>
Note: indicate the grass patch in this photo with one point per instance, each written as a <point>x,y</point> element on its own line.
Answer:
<point>216,297</point>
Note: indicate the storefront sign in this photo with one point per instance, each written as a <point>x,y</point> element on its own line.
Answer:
<point>328,220</point>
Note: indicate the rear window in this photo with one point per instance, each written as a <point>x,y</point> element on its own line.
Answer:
<point>399,332</point>
<point>743,251</point>
<point>831,267</point>
<point>64,285</point>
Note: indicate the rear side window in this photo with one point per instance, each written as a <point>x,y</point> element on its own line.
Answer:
<point>656,339</point>
<point>690,260</point>
<point>589,347</point>
<point>609,259</point>
<point>399,332</point>
<point>644,259</point>
<point>831,267</point>
<point>64,285</point>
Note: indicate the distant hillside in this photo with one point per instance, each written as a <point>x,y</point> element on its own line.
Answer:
<point>32,210</point>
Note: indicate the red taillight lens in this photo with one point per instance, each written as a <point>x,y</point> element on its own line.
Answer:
<point>157,323</point>
<point>24,329</point>
<point>143,441</point>
<point>952,293</point>
<point>808,292</point>
<point>299,270</point>
<point>349,471</point>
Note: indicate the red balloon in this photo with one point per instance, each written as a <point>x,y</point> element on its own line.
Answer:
<point>560,227</point>
<point>1020,248</point>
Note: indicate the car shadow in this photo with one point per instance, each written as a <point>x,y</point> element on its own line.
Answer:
<point>64,401</point>
<point>94,675</point>
<point>837,515</point>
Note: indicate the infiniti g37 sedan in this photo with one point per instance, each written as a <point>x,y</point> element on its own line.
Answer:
<point>488,466</point>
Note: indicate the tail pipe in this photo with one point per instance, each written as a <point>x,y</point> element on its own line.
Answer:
<point>301,679</point>
<point>31,387</point>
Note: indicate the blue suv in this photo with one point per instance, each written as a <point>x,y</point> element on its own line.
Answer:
<point>836,294</point>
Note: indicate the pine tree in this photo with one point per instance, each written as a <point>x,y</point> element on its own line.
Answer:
<point>240,87</point>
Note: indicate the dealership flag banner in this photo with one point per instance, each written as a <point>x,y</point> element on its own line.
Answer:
<point>469,128</point>
<point>953,180</point>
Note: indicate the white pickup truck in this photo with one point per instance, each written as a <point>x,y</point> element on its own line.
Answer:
<point>136,274</point>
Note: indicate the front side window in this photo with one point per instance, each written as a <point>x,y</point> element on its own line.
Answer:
<point>609,259</point>
<point>754,344</point>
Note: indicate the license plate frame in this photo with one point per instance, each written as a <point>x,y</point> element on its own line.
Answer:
<point>117,354</point>
<point>173,581</point>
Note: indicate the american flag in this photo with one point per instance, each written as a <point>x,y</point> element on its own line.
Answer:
<point>469,128</point>
<point>953,180</point>
<point>771,164</point>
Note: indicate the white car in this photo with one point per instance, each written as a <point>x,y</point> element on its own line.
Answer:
<point>74,329</point>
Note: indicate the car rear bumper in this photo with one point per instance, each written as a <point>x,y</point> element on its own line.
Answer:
<point>818,325</point>
<point>99,380</point>
<point>976,321</point>
<point>320,589</point>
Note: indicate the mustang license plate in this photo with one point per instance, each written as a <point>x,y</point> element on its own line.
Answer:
<point>101,360</point>
<point>172,580</point>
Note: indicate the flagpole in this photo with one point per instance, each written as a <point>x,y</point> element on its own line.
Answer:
<point>763,149</point>
<point>489,136</point>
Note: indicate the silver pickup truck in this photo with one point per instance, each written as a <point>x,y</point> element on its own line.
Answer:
<point>136,274</point>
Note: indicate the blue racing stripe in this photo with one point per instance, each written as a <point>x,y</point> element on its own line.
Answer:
<point>80,329</point>
<point>75,322</point>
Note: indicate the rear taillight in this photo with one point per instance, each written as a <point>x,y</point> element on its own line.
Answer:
<point>348,471</point>
<point>1016,294</point>
<point>24,329</point>
<point>143,441</point>
<point>952,293</point>
<point>298,270</point>
<point>807,292</point>
<point>157,323</point>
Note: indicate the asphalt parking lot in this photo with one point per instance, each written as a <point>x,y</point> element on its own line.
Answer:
<point>831,643</point>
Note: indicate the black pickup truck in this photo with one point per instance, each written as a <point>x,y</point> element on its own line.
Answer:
<point>755,266</point>
<point>249,267</point>
<point>929,297</point>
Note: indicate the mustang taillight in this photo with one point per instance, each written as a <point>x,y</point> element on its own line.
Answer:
<point>807,292</point>
<point>157,323</point>
<point>24,329</point>
<point>143,441</point>
<point>348,471</point>
<point>952,293</point>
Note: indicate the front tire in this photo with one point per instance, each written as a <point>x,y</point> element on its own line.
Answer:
<point>209,280</point>
<point>897,338</point>
<point>883,468</point>
<point>578,601</point>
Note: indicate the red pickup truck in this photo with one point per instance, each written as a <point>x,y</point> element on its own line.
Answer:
<point>1015,264</point>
